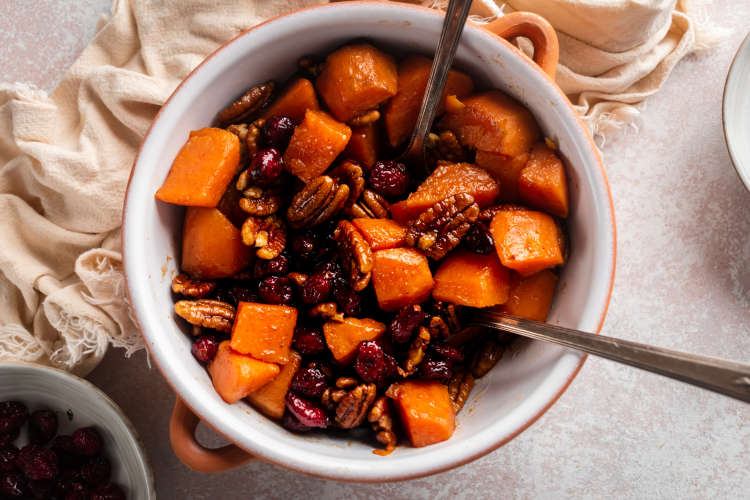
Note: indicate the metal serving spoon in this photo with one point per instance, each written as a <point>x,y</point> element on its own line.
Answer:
<point>718,375</point>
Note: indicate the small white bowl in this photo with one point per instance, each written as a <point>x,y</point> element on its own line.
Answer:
<point>78,403</point>
<point>735,114</point>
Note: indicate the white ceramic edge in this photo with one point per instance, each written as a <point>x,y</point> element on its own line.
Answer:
<point>394,468</point>
<point>91,392</point>
<point>736,132</point>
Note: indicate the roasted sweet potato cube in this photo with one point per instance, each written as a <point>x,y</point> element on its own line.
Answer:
<point>494,122</point>
<point>294,101</point>
<point>381,233</point>
<point>264,331</point>
<point>343,337</point>
<point>237,375</point>
<point>400,114</point>
<point>526,241</point>
<point>469,279</point>
<point>202,169</point>
<point>269,399</point>
<point>531,297</point>
<point>443,182</point>
<point>211,246</point>
<point>542,182</point>
<point>425,409</point>
<point>356,78</point>
<point>363,145</point>
<point>401,277</point>
<point>316,142</point>
<point>505,170</point>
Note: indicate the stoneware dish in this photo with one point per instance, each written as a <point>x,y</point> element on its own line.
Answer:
<point>518,390</point>
<point>43,387</point>
<point>736,112</point>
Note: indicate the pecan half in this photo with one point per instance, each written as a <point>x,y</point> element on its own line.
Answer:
<point>486,357</point>
<point>241,131</point>
<point>320,199</point>
<point>381,421</point>
<point>256,200</point>
<point>331,397</point>
<point>459,387</point>
<point>206,313</point>
<point>346,382</point>
<point>327,311</point>
<point>355,254</point>
<point>365,118</point>
<point>352,409</point>
<point>298,278</point>
<point>444,321</point>
<point>349,172</point>
<point>446,147</point>
<point>189,287</point>
<point>439,229</point>
<point>416,352</point>
<point>267,234</point>
<point>250,102</point>
<point>370,205</point>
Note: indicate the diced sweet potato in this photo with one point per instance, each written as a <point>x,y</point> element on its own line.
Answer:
<point>343,337</point>
<point>400,114</point>
<point>542,182</point>
<point>425,409</point>
<point>505,170</point>
<point>202,169</point>
<point>236,375</point>
<point>269,399</point>
<point>493,122</point>
<point>316,142</point>
<point>445,181</point>
<point>363,145</point>
<point>211,246</point>
<point>527,241</point>
<point>294,101</point>
<point>469,279</point>
<point>401,277</point>
<point>264,331</point>
<point>381,233</point>
<point>356,78</point>
<point>531,297</point>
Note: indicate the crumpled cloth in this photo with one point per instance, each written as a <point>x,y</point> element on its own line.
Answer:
<point>65,157</point>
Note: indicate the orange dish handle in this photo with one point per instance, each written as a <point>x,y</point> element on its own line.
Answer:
<point>196,456</point>
<point>535,28</point>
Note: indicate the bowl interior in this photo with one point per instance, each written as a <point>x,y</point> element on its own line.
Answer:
<point>518,390</point>
<point>46,388</point>
<point>736,111</point>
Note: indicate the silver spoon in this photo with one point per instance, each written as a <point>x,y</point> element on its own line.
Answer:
<point>725,377</point>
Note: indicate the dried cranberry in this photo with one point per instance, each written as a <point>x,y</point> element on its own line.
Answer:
<point>290,422</point>
<point>307,412</point>
<point>276,290</point>
<point>406,321</point>
<point>267,267</point>
<point>8,456</point>
<point>374,365</point>
<point>309,381</point>
<point>12,485</point>
<point>108,492</point>
<point>266,166</point>
<point>330,269</point>
<point>87,441</point>
<point>42,489</point>
<point>349,301</point>
<point>72,489</point>
<point>277,131</point>
<point>204,348</point>
<point>389,178</point>
<point>308,339</point>
<point>37,463</point>
<point>315,289</point>
<point>305,246</point>
<point>42,426</point>
<point>96,471</point>
<point>479,240</point>
<point>13,414</point>
<point>432,369</point>
<point>450,353</point>
<point>63,444</point>
<point>8,437</point>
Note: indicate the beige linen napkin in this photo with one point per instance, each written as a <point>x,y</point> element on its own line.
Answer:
<point>65,158</point>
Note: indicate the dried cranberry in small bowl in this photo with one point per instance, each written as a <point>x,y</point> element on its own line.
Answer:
<point>8,437</point>
<point>374,365</point>
<point>290,422</point>
<point>204,348</point>
<point>307,412</point>
<point>432,369</point>
<point>267,267</point>
<point>37,463</point>
<point>276,290</point>
<point>308,339</point>
<point>316,289</point>
<point>8,456</point>
<point>12,485</point>
<point>404,323</point>
<point>309,381</point>
<point>389,178</point>
<point>96,471</point>
<point>87,441</point>
<point>108,492</point>
<point>43,488</point>
<point>277,131</point>
<point>13,415</point>
<point>266,166</point>
<point>42,426</point>
<point>479,240</point>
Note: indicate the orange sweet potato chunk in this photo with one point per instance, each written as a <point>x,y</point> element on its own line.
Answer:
<point>494,122</point>
<point>469,279</point>
<point>316,142</point>
<point>211,246</point>
<point>542,182</point>
<point>401,277</point>
<point>526,240</point>
<point>363,145</point>
<point>269,399</point>
<point>425,409</point>
<point>294,101</point>
<point>202,169</point>
<point>400,114</point>
<point>343,337</point>
<point>236,375</point>
<point>264,331</point>
<point>506,170</point>
<point>445,181</point>
<point>531,297</point>
<point>356,78</point>
<point>381,233</point>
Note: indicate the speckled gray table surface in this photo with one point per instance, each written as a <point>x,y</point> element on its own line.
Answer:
<point>683,281</point>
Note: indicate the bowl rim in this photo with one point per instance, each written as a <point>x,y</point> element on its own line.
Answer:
<point>95,393</point>
<point>492,445</point>
<point>742,173</point>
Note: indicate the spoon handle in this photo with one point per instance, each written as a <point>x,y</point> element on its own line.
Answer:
<point>718,375</point>
<point>453,26</point>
